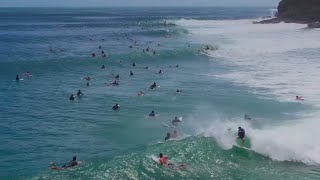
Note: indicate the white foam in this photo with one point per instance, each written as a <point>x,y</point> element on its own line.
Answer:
<point>279,61</point>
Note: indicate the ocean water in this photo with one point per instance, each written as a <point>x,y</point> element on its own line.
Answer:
<point>254,69</point>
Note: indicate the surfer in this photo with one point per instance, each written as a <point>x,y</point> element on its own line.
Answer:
<point>178,91</point>
<point>167,137</point>
<point>116,107</point>
<point>175,134</point>
<point>27,74</point>
<point>103,67</point>
<point>153,86</point>
<point>160,72</point>
<point>152,114</point>
<point>175,121</point>
<point>117,76</point>
<point>299,98</point>
<point>71,97</point>
<point>87,78</point>
<point>131,73</point>
<point>79,93</point>
<point>93,55</point>
<point>115,83</point>
<point>247,117</point>
<point>164,160</point>
<point>72,163</point>
<point>147,67</point>
<point>134,64</point>
<point>17,77</point>
<point>140,93</point>
<point>241,134</point>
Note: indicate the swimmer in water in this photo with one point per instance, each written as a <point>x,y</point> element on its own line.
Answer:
<point>131,73</point>
<point>140,93</point>
<point>17,77</point>
<point>167,137</point>
<point>153,86</point>
<point>164,160</point>
<point>152,114</point>
<point>176,121</point>
<point>178,91</point>
<point>72,163</point>
<point>116,107</point>
<point>71,97</point>
<point>79,93</point>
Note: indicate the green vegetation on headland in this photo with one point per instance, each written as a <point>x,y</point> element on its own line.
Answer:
<point>298,11</point>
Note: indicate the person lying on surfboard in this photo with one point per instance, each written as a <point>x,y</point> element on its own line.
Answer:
<point>299,98</point>
<point>164,160</point>
<point>72,163</point>
<point>241,134</point>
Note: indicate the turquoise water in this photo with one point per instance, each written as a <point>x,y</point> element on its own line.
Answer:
<point>39,124</point>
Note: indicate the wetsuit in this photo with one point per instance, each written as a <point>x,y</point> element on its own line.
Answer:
<point>241,133</point>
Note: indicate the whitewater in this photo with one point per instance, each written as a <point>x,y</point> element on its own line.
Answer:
<point>276,61</point>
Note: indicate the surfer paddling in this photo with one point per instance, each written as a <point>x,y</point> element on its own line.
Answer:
<point>72,163</point>
<point>164,160</point>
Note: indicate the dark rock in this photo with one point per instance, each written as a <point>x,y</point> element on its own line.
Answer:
<point>297,11</point>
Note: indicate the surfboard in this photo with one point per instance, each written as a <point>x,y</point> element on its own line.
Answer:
<point>167,125</point>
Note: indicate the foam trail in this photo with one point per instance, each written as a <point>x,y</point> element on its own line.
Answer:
<point>278,61</point>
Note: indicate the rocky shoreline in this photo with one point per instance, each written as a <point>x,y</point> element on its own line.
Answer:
<point>297,11</point>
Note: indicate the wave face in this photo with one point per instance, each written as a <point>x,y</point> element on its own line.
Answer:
<point>249,69</point>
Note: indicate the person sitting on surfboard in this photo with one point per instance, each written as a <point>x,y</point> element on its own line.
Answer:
<point>241,134</point>
<point>79,93</point>
<point>176,121</point>
<point>72,163</point>
<point>164,160</point>
<point>168,136</point>
<point>71,97</point>
<point>116,107</point>
<point>175,134</point>
<point>17,77</point>
<point>152,114</point>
